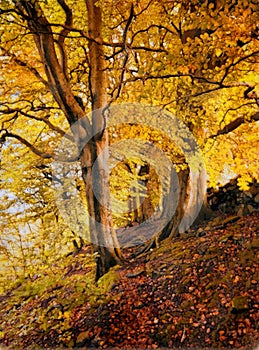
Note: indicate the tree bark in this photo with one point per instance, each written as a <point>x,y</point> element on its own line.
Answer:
<point>94,159</point>
<point>171,229</point>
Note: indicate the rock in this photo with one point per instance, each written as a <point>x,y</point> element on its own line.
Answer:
<point>82,338</point>
<point>242,210</point>
<point>136,274</point>
<point>250,208</point>
<point>229,199</point>
<point>256,198</point>
<point>230,220</point>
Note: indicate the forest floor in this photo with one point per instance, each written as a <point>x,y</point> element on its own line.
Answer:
<point>199,291</point>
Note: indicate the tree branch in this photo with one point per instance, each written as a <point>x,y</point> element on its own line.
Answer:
<point>57,80</point>
<point>63,34</point>
<point>4,134</point>
<point>131,16</point>
<point>50,125</point>
<point>235,124</point>
<point>40,119</point>
<point>35,150</point>
<point>26,65</point>
<point>233,64</point>
<point>68,23</point>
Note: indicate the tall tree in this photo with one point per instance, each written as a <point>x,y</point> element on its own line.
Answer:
<point>197,59</point>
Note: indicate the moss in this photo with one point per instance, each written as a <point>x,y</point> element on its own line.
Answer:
<point>225,238</point>
<point>240,303</point>
<point>247,256</point>
<point>170,250</point>
<point>254,244</point>
<point>212,284</point>
<point>164,248</point>
<point>214,300</point>
<point>110,279</point>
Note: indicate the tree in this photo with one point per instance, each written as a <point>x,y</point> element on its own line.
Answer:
<point>56,80</point>
<point>195,58</point>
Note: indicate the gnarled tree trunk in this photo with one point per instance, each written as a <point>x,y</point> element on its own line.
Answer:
<point>172,226</point>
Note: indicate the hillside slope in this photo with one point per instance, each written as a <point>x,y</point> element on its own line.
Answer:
<point>198,291</point>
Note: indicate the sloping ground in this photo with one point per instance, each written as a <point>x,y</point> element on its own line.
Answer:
<point>199,291</point>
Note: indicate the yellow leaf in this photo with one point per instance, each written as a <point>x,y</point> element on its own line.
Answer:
<point>66,314</point>
<point>218,52</point>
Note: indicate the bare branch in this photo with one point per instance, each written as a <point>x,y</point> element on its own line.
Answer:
<point>4,134</point>
<point>233,64</point>
<point>35,150</point>
<point>131,16</point>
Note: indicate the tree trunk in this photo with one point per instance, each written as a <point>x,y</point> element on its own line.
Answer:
<point>146,209</point>
<point>171,229</point>
<point>94,158</point>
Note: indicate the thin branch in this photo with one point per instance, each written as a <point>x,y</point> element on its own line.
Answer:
<point>219,85</point>
<point>174,75</point>
<point>26,143</point>
<point>26,65</point>
<point>178,30</point>
<point>131,16</point>
<point>233,64</point>
<point>49,124</point>
<point>41,119</point>
<point>234,109</point>
<point>68,23</point>
<point>146,30</point>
